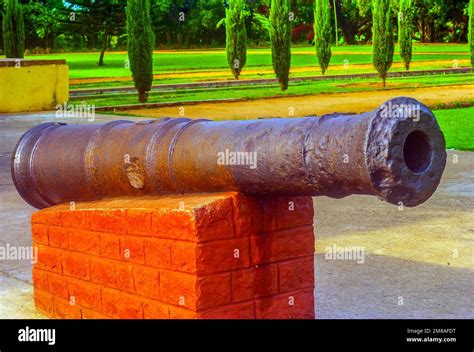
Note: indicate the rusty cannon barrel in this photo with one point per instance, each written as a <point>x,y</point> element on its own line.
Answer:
<point>396,152</point>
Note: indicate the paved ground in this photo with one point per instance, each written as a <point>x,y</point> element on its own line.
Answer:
<point>418,263</point>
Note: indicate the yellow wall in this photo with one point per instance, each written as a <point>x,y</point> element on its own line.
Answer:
<point>33,88</point>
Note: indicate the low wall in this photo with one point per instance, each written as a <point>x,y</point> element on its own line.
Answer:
<point>180,257</point>
<point>32,85</point>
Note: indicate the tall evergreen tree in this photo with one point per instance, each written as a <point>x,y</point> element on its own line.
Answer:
<point>471,30</point>
<point>405,31</point>
<point>322,33</point>
<point>13,29</point>
<point>236,36</point>
<point>140,45</point>
<point>280,38</point>
<point>382,37</point>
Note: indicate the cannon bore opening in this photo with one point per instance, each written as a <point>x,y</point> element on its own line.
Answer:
<point>417,151</point>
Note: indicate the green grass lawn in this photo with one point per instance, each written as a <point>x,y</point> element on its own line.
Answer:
<point>458,127</point>
<point>273,90</point>
<point>84,65</point>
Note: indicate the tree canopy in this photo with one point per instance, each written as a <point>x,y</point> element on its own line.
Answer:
<point>97,24</point>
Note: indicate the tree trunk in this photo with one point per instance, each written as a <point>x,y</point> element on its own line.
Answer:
<point>142,96</point>
<point>423,35</point>
<point>104,47</point>
<point>348,29</point>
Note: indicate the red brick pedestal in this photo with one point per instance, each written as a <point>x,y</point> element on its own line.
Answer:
<point>194,256</point>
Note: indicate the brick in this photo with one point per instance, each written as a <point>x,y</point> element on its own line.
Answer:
<point>196,293</point>
<point>64,310</point>
<point>293,212</point>
<point>292,305</point>
<point>84,241</point>
<point>223,255</point>
<point>178,289</point>
<point>112,274</point>
<point>181,313</point>
<point>213,291</point>
<point>49,259</point>
<point>147,281</point>
<point>76,265</point>
<point>91,314</point>
<point>75,219</point>
<point>183,256</point>
<point>132,249</point>
<point>296,274</point>
<point>39,234</point>
<point>44,301</point>
<point>58,286</point>
<point>121,305</point>
<point>254,215</point>
<point>246,212</point>
<point>110,246</point>
<point>173,224</point>
<point>138,222</point>
<point>108,221</point>
<point>236,311</point>
<point>214,220</point>
<point>183,263</point>
<point>40,279</point>
<point>217,230</point>
<point>85,294</point>
<point>266,221</point>
<point>155,310</point>
<point>158,253</point>
<point>255,282</point>
<point>281,245</point>
<point>46,217</point>
<point>58,237</point>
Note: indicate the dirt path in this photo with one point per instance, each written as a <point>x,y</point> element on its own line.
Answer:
<point>224,74</point>
<point>356,102</point>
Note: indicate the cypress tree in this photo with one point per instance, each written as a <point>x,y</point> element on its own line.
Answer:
<point>13,29</point>
<point>405,31</point>
<point>140,45</point>
<point>280,37</point>
<point>322,33</point>
<point>382,37</point>
<point>236,36</point>
<point>471,30</point>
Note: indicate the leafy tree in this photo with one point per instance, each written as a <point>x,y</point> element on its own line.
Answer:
<point>471,30</point>
<point>236,36</point>
<point>13,29</point>
<point>322,33</point>
<point>140,45</point>
<point>280,38</point>
<point>440,20</point>
<point>184,23</point>
<point>354,20</point>
<point>98,19</point>
<point>382,37</point>
<point>405,31</point>
<point>43,21</point>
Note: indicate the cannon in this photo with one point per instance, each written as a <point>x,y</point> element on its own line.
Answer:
<point>396,152</point>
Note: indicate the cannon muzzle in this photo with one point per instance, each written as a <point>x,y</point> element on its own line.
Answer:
<point>396,152</point>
